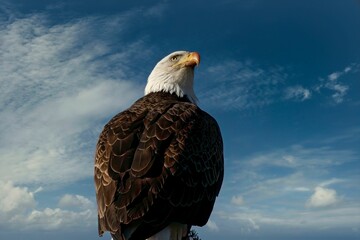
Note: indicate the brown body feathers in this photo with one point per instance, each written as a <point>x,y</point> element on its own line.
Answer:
<point>159,161</point>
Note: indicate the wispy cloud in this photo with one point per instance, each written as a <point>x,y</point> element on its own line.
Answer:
<point>297,93</point>
<point>156,10</point>
<point>58,83</point>
<point>342,219</point>
<point>237,200</point>
<point>236,85</point>
<point>305,157</point>
<point>331,182</point>
<point>336,75</point>
<point>240,85</point>
<point>332,82</point>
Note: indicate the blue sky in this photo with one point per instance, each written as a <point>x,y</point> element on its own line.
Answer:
<point>281,77</point>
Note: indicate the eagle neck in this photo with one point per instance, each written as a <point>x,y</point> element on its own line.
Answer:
<point>167,83</point>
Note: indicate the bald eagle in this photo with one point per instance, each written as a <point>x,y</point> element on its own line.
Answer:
<point>159,164</point>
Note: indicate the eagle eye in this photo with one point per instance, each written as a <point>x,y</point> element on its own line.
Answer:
<point>174,58</point>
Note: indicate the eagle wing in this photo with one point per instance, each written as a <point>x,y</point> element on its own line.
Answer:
<point>159,161</point>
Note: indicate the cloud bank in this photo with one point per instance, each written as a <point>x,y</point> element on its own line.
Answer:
<point>59,84</point>
<point>301,192</point>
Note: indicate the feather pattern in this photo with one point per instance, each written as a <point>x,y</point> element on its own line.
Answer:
<point>160,161</point>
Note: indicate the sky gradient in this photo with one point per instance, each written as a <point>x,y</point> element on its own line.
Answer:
<point>282,78</point>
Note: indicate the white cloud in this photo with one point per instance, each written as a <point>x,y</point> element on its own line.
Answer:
<point>14,199</point>
<point>212,226</point>
<point>323,197</point>
<point>347,69</point>
<point>334,76</point>
<point>237,200</point>
<point>50,219</point>
<point>340,91</point>
<point>18,206</point>
<point>69,200</point>
<point>298,93</point>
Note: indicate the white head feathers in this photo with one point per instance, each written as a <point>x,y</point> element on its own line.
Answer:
<point>174,74</point>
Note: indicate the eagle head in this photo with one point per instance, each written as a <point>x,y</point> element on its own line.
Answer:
<point>174,74</point>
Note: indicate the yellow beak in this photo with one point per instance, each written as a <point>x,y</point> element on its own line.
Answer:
<point>191,60</point>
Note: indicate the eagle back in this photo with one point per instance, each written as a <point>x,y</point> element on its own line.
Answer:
<point>161,160</point>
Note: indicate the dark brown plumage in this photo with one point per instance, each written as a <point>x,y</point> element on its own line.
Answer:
<point>159,161</point>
